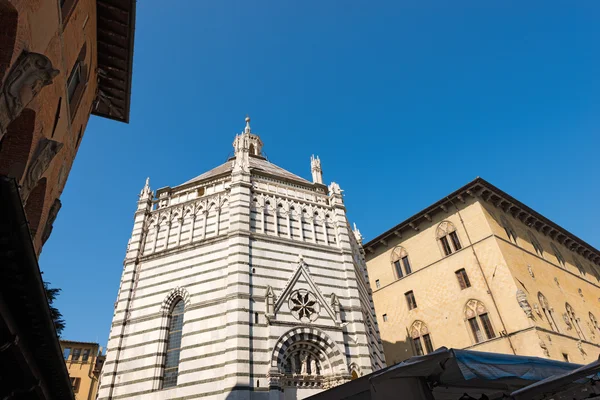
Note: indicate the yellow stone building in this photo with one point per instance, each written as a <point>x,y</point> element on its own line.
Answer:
<point>84,362</point>
<point>480,270</point>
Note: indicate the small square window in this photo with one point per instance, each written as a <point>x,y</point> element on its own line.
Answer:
<point>75,384</point>
<point>410,300</point>
<point>76,354</point>
<point>377,283</point>
<point>66,352</point>
<point>384,317</point>
<point>463,279</point>
<point>86,355</point>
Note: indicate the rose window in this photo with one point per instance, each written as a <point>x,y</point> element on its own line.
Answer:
<point>304,305</point>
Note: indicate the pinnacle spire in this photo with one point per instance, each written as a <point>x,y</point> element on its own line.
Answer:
<point>247,129</point>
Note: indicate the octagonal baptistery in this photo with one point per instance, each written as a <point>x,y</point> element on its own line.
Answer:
<point>245,282</point>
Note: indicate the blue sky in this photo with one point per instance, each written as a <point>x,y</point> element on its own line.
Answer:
<point>404,101</point>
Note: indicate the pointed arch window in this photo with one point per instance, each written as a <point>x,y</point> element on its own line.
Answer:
<point>558,254</point>
<point>479,321</point>
<point>594,322</point>
<point>448,237</point>
<point>548,311</point>
<point>574,321</point>
<point>400,262</point>
<point>421,338</point>
<point>536,244</point>
<point>508,228</point>
<point>175,327</point>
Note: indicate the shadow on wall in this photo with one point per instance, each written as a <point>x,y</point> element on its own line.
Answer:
<point>399,351</point>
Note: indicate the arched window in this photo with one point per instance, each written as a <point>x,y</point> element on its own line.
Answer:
<point>548,312</point>
<point>477,317</point>
<point>559,256</point>
<point>594,322</point>
<point>400,262</point>
<point>510,232</point>
<point>574,321</point>
<point>447,237</point>
<point>536,244</point>
<point>421,338</point>
<point>171,367</point>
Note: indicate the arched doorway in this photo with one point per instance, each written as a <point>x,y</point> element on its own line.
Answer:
<point>16,145</point>
<point>9,19</point>
<point>35,206</point>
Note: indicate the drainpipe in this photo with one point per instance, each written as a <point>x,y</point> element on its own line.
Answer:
<point>489,289</point>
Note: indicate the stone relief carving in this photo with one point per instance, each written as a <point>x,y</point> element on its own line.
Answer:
<point>334,188</point>
<point>567,321</point>
<point>54,209</point>
<point>537,310</point>
<point>544,348</point>
<point>29,75</point>
<point>45,153</point>
<point>269,301</point>
<point>530,269</point>
<point>522,300</point>
<point>335,305</point>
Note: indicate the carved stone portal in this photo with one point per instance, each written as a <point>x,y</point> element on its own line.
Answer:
<point>44,154</point>
<point>54,209</point>
<point>29,75</point>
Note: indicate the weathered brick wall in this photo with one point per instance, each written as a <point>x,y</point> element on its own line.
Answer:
<point>41,30</point>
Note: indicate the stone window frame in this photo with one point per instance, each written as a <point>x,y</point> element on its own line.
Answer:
<point>401,265</point>
<point>448,239</point>
<point>477,316</point>
<point>420,338</point>
<point>574,321</point>
<point>463,278</point>
<point>548,312</point>
<point>411,300</point>
<point>81,66</point>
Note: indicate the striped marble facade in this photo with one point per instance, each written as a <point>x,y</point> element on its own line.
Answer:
<point>240,245</point>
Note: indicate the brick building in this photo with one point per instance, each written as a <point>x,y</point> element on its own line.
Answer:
<point>60,61</point>
<point>480,270</point>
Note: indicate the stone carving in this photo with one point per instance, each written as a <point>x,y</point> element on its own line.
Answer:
<point>357,235</point>
<point>544,348</point>
<point>580,347</point>
<point>304,363</point>
<point>530,269</point>
<point>334,188</point>
<point>29,75</point>
<point>315,168</point>
<point>537,310</point>
<point>45,153</point>
<point>522,300</point>
<point>567,321</point>
<point>304,305</point>
<point>335,305</point>
<point>313,366</point>
<point>54,209</point>
<point>269,301</point>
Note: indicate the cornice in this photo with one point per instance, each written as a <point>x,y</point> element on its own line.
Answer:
<point>484,191</point>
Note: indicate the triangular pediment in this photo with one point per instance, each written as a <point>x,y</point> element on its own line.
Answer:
<point>301,277</point>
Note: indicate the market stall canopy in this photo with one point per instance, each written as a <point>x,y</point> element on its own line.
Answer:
<point>581,383</point>
<point>449,374</point>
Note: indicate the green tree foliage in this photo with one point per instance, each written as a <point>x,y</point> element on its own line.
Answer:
<point>51,294</point>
